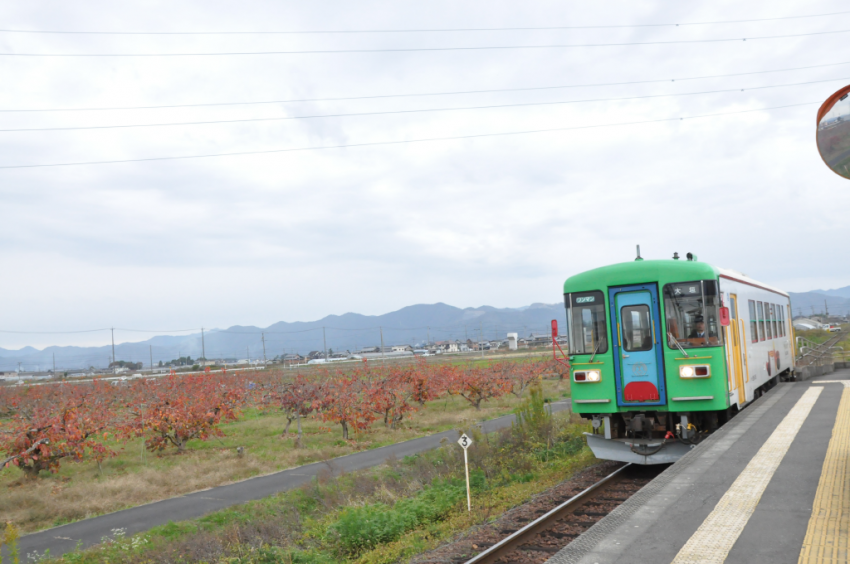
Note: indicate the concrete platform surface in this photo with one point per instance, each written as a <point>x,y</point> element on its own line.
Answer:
<point>745,494</point>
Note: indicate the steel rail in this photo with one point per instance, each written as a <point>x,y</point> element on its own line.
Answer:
<point>541,523</point>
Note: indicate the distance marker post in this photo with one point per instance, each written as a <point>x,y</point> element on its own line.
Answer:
<point>464,442</point>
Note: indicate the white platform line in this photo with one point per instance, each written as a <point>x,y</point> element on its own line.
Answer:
<point>714,539</point>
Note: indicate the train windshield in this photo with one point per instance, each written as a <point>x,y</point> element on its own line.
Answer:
<point>690,309</point>
<point>586,323</point>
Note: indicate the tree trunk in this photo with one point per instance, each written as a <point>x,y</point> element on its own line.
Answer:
<point>345,430</point>
<point>298,441</point>
<point>288,423</point>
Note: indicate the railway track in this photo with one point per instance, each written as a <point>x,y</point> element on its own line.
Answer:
<point>820,354</point>
<point>554,529</point>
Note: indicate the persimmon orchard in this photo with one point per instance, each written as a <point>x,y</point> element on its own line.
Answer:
<point>176,409</point>
<point>48,424</point>
<point>42,426</point>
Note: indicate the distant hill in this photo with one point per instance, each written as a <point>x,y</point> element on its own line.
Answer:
<point>350,331</point>
<point>809,303</point>
<point>840,292</point>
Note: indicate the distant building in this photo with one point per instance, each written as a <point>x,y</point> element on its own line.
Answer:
<point>447,346</point>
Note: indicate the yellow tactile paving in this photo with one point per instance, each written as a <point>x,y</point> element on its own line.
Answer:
<point>713,540</point>
<point>827,535</point>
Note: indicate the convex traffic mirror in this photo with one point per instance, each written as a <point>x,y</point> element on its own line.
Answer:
<point>833,134</point>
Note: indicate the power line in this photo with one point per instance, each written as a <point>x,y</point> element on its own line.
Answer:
<point>55,332</point>
<point>433,30</point>
<point>402,142</point>
<point>430,49</point>
<point>415,111</point>
<point>457,92</point>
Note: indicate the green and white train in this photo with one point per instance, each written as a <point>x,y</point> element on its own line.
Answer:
<point>663,352</point>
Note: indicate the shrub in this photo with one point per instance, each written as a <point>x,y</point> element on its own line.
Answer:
<point>363,528</point>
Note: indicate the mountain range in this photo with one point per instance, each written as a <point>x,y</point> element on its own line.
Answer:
<point>351,331</point>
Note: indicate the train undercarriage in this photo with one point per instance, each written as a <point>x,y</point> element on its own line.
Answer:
<point>658,437</point>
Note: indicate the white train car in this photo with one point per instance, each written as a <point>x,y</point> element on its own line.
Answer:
<point>760,335</point>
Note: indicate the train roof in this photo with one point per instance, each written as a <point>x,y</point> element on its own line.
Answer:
<point>639,271</point>
<point>662,271</point>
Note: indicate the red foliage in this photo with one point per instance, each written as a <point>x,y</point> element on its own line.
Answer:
<point>294,396</point>
<point>344,400</point>
<point>42,425</point>
<point>176,409</point>
<point>52,423</point>
<point>477,384</point>
<point>389,394</point>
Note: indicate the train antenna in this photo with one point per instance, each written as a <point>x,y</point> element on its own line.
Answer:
<point>638,253</point>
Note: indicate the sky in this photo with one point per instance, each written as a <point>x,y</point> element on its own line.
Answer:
<point>491,219</point>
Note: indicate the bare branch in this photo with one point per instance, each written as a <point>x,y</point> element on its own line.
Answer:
<point>26,452</point>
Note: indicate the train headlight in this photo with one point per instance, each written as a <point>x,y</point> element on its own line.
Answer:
<point>695,371</point>
<point>587,376</point>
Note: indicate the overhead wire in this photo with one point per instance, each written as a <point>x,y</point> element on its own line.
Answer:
<point>433,49</point>
<point>422,94</point>
<point>415,111</point>
<point>431,30</point>
<point>404,141</point>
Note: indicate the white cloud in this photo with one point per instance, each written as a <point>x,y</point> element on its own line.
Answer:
<point>495,220</point>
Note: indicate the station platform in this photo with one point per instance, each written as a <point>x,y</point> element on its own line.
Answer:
<point>771,486</point>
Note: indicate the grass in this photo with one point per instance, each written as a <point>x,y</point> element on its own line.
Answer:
<point>378,516</point>
<point>135,477</point>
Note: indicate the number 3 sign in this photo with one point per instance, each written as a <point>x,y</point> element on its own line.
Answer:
<point>464,442</point>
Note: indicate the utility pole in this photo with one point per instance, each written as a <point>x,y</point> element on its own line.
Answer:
<point>150,347</point>
<point>826,308</point>
<point>263,337</point>
<point>381,329</point>
<point>325,344</point>
<point>113,346</point>
<point>481,337</point>
<point>428,344</point>
<point>54,365</point>
<point>203,347</point>
<point>248,354</point>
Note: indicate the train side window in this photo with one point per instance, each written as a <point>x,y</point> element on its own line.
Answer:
<point>768,318</point>
<point>782,319</point>
<point>586,325</point>
<point>754,330</point>
<point>774,315</point>
<point>760,308</point>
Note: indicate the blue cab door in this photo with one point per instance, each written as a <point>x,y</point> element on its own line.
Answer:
<point>638,360</point>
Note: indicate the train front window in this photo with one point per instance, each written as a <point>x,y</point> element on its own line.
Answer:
<point>586,327</point>
<point>691,315</point>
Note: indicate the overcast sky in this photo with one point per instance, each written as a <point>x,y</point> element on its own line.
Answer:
<point>498,220</point>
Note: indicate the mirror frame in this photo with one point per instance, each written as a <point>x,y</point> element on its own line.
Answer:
<point>830,102</point>
<point>825,107</point>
